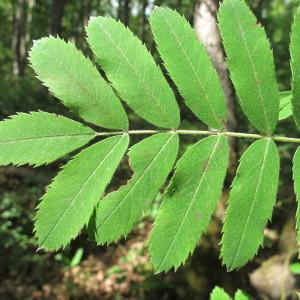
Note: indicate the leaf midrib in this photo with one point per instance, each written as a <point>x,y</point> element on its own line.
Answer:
<point>45,137</point>
<point>192,201</point>
<point>261,97</point>
<point>193,70</point>
<point>134,184</point>
<point>241,240</point>
<point>80,191</point>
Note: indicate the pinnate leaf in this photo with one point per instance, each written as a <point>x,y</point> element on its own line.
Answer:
<point>133,72</point>
<point>39,138</point>
<point>73,79</point>
<point>189,202</point>
<point>69,202</point>
<point>151,161</point>
<point>189,66</point>
<point>295,66</point>
<point>251,64</point>
<point>251,202</point>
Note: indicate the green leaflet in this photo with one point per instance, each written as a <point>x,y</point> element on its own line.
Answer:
<point>133,72</point>
<point>295,66</point>
<point>151,160</point>
<point>295,268</point>
<point>239,295</point>
<point>189,66</point>
<point>69,202</point>
<point>251,201</point>
<point>73,79</point>
<point>219,294</point>
<point>189,202</point>
<point>39,138</point>
<point>285,107</point>
<point>296,177</point>
<point>251,64</point>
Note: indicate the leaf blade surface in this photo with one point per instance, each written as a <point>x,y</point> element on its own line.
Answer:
<point>189,66</point>
<point>285,108</point>
<point>239,295</point>
<point>40,138</point>
<point>73,79</point>
<point>151,160</point>
<point>133,72</point>
<point>296,177</point>
<point>251,201</point>
<point>219,294</point>
<point>70,200</point>
<point>189,202</point>
<point>251,64</point>
<point>295,67</point>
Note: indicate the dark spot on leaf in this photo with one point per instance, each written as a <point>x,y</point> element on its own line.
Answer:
<point>205,164</point>
<point>198,215</point>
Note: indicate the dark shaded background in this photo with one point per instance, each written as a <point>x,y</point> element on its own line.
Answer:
<point>122,271</point>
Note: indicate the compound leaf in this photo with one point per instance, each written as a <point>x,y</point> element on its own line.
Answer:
<point>295,66</point>
<point>69,202</point>
<point>189,66</point>
<point>189,202</point>
<point>251,64</point>
<point>151,160</point>
<point>39,138</point>
<point>73,79</point>
<point>285,107</point>
<point>296,176</point>
<point>251,202</point>
<point>133,72</point>
<point>219,294</point>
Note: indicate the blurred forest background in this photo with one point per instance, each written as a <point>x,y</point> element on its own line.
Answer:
<point>122,271</point>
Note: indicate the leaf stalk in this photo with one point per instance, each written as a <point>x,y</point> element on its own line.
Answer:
<point>254,136</point>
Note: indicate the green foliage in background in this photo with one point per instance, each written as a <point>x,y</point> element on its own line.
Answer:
<point>219,294</point>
